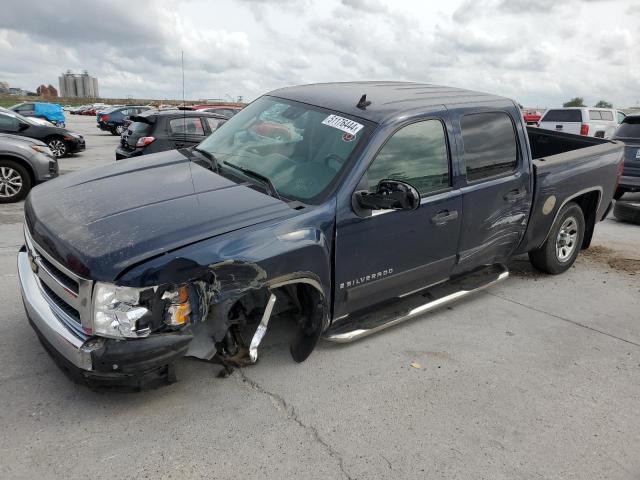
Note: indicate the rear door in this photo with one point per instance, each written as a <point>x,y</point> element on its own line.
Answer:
<point>186,131</point>
<point>496,198</point>
<point>562,120</point>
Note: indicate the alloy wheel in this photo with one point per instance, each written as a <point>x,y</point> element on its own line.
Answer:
<point>58,147</point>
<point>567,239</point>
<point>10,182</point>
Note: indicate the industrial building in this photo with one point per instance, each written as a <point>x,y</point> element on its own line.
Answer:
<point>78,85</point>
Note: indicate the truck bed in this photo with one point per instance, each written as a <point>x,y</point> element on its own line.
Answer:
<point>564,167</point>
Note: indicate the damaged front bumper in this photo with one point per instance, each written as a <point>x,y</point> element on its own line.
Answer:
<point>95,360</point>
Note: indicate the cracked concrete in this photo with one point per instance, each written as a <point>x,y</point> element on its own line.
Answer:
<point>291,414</point>
<point>538,377</point>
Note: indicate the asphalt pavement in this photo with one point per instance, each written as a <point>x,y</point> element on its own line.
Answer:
<point>537,377</point>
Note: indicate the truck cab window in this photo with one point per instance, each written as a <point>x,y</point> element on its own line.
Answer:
<point>416,154</point>
<point>489,145</point>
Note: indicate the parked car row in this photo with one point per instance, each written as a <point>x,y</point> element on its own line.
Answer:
<point>88,109</point>
<point>61,141</point>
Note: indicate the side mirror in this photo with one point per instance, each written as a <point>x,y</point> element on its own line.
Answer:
<point>22,126</point>
<point>389,195</point>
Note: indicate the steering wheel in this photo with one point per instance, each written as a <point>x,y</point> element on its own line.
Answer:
<point>335,159</point>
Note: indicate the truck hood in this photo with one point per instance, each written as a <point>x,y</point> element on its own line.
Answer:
<point>101,221</point>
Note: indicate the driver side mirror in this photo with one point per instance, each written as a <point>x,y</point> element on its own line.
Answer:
<point>389,195</point>
<point>22,126</point>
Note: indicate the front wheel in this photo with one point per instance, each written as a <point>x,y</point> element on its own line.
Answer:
<point>15,181</point>
<point>58,147</point>
<point>560,249</point>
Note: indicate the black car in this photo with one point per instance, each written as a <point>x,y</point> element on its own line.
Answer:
<point>156,131</point>
<point>629,133</point>
<point>113,119</point>
<point>61,141</point>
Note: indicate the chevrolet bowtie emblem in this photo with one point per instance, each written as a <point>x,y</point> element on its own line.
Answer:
<point>32,262</point>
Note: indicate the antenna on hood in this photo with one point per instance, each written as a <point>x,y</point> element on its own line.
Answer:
<point>363,103</point>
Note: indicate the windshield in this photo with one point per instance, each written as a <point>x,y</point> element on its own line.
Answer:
<point>300,148</point>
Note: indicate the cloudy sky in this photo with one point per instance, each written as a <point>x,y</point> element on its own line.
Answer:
<point>540,52</point>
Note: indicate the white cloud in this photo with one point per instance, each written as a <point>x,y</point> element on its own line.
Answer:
<point>539,53</point>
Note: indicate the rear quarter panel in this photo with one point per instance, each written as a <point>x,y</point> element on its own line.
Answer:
<point>560,178</point>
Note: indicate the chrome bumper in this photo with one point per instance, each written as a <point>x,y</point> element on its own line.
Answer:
<point>45,318</point>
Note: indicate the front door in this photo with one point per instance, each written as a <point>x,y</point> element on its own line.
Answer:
<point>497,197</point>
<point>387,253</point>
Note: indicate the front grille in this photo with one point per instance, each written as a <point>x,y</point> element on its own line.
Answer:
<point>60,276</point>
<point>61,304</point>
<point>68,294</point>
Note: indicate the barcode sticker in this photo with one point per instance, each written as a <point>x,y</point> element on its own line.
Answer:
<point>344,124</point>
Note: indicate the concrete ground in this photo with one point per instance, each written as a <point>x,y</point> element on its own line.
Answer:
<point>538,377</point>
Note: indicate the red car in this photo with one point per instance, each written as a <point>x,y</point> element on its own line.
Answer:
<point>531,117</point>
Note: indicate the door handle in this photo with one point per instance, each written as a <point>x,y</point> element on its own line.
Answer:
<point>515,195</point>
<point>444,216</point>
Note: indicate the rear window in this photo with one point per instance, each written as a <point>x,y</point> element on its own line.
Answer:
<point>490,147</point>
<point>630,127</point>
<point>139,127</point>
<point>562,116</point>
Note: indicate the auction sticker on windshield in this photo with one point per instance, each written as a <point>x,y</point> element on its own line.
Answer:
<point>344,124</point>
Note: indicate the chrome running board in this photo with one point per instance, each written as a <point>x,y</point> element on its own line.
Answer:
<point>406,308</point>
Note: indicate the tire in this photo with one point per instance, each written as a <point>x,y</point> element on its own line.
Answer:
<point>15,181</point>
<point>627,212</point>
<point>562,246</point>
<point>58,147</point>
<point>618,194</point>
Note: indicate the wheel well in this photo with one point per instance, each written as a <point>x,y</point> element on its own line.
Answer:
<point>22,162</point>
<point>51,137</point>
<point>588,203</point>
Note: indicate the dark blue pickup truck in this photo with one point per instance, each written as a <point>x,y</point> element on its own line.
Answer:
<point>341,208</point>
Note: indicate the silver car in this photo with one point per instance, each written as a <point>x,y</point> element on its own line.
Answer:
<point>24,162</point>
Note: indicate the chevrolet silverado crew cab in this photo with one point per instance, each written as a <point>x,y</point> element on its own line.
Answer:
<point>340,208</point>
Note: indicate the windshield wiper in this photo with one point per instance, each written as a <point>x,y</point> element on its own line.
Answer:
<point>266,180</point>
<point>210,156</point>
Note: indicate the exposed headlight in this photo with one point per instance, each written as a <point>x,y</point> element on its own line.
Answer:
<point>126,312</point>
<point>116,312</point>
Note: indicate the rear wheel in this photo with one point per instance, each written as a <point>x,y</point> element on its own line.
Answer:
<point>560,249</point>
<point>58,147</point>
<point>117,130</point>
<point>15,181</point>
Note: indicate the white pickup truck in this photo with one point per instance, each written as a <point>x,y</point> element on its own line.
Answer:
<point>591,122</point>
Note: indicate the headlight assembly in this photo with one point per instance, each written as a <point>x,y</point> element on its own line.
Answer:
<point>127,312</point>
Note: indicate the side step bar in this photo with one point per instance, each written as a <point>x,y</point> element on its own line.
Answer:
<point>406,308</point>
